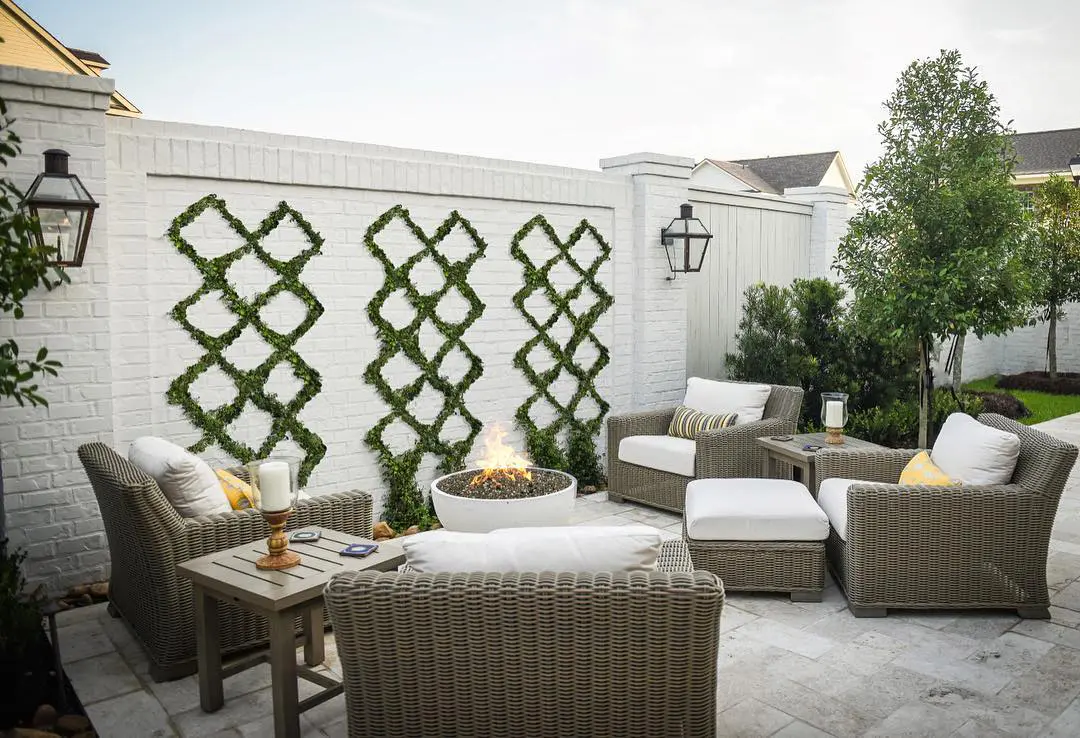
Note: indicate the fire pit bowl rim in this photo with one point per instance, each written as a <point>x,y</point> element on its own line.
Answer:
<point>473,515</point>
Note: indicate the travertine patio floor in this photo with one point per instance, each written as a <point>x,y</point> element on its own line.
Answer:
<point>786,669</point>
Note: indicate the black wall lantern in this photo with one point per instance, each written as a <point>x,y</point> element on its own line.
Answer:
<point>63,208</point>
<point>1074,167</point>
<point>685,241</point>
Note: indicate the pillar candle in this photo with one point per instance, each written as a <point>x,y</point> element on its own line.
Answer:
<point>275,486</point>
<point>834,414</point>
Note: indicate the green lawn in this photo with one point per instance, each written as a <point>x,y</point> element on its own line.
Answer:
<point>1043,405</point>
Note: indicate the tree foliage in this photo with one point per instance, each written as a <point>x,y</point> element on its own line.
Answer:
<point>24,266</point>
<point>936,244</point>
<point>1055,253</point>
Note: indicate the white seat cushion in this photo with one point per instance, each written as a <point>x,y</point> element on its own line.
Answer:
<point>975,453</point>
<point>571,549</point>
<point>832,497</point>
<point>663,453</point>
<point>187,481</point>
<point>720,398</point>
<point>753,510</point>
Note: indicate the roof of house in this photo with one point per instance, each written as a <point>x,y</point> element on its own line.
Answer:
<point>799,170</point>
<point>90,57</point>
<point>745,174</point>
<point>1045,151</point>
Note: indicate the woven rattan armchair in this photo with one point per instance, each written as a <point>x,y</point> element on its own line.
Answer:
<point>726,453</point>
<point>948,547</point>
<point>528,655</point>
<point>148,538</point>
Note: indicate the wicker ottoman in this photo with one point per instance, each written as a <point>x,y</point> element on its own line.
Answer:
<point>761,535</point>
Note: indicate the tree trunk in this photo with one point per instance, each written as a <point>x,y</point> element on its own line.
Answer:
<point>926,392</point>
<point>958,361</point>
<point>1051,343</point>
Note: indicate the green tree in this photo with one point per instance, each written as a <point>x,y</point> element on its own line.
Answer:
<point>766,339</point>
<point>936,242</point>
<point>1056,255</point>
<point>24,266</point>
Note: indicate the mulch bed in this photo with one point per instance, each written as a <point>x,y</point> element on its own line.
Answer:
<point>543,482</point>
<point>1067,383</point>
<point>40,699</point>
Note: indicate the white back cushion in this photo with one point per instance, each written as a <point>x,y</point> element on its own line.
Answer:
<point>573,548</point>
<point>711,396</point>
<point>187,481</point>
<point>975,453</point>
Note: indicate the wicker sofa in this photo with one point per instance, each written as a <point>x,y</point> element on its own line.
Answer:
<point>147,538</point>
<point>726,453</point>
<point>522,655</point>
<point>967,546</point>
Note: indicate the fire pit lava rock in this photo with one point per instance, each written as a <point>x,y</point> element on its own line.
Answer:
<point>505,492</point>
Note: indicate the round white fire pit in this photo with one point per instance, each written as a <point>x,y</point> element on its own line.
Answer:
<point>503,500</point>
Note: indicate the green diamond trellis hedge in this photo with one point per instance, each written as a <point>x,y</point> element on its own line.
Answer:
<point>405,500</point>
<point>580,457</point>
<point>250,384</point>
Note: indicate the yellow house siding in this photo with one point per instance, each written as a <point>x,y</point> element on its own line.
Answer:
<point>24,49</point>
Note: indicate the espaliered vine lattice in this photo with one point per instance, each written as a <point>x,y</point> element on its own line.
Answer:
<point>250,384</point>
<point>405,501</point>
<point>581,431</point>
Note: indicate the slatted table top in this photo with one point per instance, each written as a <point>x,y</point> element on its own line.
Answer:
<point>231,574</point>
<point>793,449</point>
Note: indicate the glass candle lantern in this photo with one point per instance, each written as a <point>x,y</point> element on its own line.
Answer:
<point>834,415</point>
<point>274,487</point>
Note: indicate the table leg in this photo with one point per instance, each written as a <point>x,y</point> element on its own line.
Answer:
<point>811,479</point>
<point>283,676</point>
<point>314,647</point>
<point>208,648</point>
<point>766,470</point>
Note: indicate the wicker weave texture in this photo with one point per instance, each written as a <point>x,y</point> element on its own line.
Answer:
<point>973,546</point>
<point>721,454</point>
<point>528,655</point>
<point>762,566</point>
<point>148,538</point>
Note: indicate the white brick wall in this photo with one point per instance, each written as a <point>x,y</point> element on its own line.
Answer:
<point>121,349</point>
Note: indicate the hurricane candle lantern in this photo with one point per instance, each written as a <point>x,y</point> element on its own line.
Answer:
<point>834,415</point>
<point>274,487</point>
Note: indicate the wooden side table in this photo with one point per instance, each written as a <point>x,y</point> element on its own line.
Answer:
<point>231,576</point>
<point>802,462</point>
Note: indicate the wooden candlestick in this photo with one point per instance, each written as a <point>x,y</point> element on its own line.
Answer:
<point>280,557</point>
<point>834,435</point>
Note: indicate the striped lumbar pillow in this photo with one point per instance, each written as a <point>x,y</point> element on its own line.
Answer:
<point>688,422</point>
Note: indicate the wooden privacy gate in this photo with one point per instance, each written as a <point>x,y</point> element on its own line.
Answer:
<point>756,238</point>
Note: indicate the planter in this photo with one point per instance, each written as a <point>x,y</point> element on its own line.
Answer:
<point>472,515</point>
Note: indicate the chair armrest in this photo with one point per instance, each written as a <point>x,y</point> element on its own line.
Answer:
<point>345,512</point>
<point>644,423</point>
<point>674,556</point>
<point>882,465</point>
<point>734,452</point>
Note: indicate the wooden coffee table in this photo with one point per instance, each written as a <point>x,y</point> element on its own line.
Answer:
<point>231,576</point>
<point>802,462</point>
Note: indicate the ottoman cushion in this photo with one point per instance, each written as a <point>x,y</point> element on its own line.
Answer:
<point>753,510</point>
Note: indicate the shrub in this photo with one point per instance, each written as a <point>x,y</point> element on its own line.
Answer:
<point>1003,403</point>
<point>767,348</point>
<point>582,461</point>
<point>1067,383</point>
<point>896,425</point>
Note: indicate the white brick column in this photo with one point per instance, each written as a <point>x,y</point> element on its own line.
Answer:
<point>833,208</point>
<point>659,304</point>
<point>51,510</point>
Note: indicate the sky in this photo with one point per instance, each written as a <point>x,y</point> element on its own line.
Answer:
<point>569,82</point>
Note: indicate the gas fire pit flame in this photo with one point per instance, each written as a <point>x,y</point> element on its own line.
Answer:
<point>500,463</point>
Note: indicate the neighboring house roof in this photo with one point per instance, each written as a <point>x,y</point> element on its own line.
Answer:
<point>800,170</point>
<point>28,44</point>
<point>1040,152</point>
<point>745,174</point>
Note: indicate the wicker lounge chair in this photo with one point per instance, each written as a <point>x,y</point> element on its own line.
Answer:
<point>522,655</point>
<point>147,538</point>
<point>725,453</point>
<point>968,546</point>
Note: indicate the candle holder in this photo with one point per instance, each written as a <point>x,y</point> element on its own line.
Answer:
<point>834,415</point>
<point>274,487</point>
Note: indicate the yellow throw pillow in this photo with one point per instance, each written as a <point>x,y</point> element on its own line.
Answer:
<point>688,422</point>
<point>921,470</point>
<point>236,490</point>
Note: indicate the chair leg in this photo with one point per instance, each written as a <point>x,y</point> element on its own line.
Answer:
<point>868,612</point>
<point>1036,613</point>
<point>806,595</point>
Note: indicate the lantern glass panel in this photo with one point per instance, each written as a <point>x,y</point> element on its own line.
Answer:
<point>677,227</point>
<point>696,226</point>
<point>60,229</point>
<point>61,188</point>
